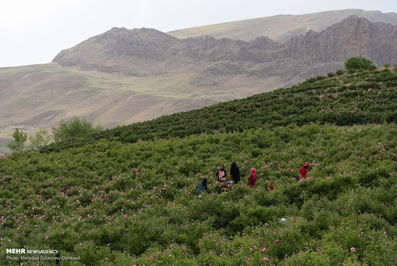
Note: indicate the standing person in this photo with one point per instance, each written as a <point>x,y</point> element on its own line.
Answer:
<point>252,179</point>
<point>235,172</point>
<point>221,174</point>
<point>201,187</point>
<point>303,171</point>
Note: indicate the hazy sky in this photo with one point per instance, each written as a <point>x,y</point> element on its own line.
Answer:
<point>34,31</point>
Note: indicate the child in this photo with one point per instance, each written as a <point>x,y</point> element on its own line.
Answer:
<point>252,179</point>
<point>303,171</point>
<point>221,174</point>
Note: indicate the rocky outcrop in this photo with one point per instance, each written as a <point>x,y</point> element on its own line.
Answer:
<point>150,52</point>
<point>353,36</point>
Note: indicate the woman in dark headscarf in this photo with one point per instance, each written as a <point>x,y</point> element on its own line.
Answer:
<point>201,187</point>
<point>235,172</point>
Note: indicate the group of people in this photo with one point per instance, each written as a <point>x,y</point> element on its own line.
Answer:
<point>221,175</point>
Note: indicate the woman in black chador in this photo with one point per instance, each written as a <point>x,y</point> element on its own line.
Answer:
<point>235,173</point>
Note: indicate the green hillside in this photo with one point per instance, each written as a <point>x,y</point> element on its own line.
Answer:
<point>134,203</point>
<point>365,97</point>
<point>127,196</point>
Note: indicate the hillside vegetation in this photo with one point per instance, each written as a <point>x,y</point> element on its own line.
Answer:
<point>360,98</point>
<point>134,203</point>
<point>126,196</point>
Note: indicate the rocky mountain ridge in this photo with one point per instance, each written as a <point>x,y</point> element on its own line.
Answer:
<point>149,52</point>
<point>126,76</point>
<point>281,28</point>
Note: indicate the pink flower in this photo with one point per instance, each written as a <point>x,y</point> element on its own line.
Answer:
<point>277,241</point>
<point>170,255</point>
<point>263,249</point>
<point>46,237</point>
<point>251,249</point>
<point>352,249</point>
<point>384,233</point>
<point>80,244</point>
<point>265,258</point>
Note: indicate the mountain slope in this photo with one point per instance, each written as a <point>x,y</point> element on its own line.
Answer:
<point>320,100</point>
<point>36,97</point>
<point>150,52</point>
<point>118,47</point>
<point>351,37</point>
<point>281,28</point>
<point>125,76</point>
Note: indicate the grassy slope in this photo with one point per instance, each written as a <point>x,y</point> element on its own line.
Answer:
<point>134,203</point>
<point>34,97</point>
<point>124,203</point>
<point>366,97</point>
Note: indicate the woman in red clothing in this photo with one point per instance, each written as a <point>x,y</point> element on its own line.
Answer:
<point>252,179</point>
<point>303,171</point>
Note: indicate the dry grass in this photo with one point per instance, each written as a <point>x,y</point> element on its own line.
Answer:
<point>39,96</point>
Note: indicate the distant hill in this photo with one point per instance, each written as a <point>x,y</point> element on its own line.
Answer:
<point>148,52</point>
<point>353,36</point>
<point>281,28</point>
<point>124,76</point>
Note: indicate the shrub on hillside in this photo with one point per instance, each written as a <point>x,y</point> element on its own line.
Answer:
<point>358,63</point>
<point>340,72</point>
<point>18,144</point>
<point>40,139</point>
<point>74,127</point>
<point>331,74</point>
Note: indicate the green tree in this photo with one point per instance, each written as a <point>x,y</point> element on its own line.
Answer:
<point>358,63</point>
<point>40,139</point>
<point>74,127</point>
<point>18,144</point>
<point>387,65</point>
